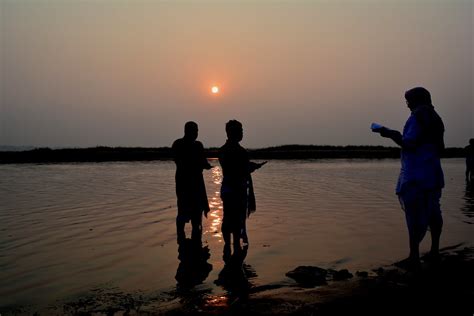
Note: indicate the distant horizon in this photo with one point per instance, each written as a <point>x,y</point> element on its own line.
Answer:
<point>20,148</point>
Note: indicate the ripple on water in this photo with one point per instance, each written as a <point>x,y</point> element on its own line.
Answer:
<point>72,227</point>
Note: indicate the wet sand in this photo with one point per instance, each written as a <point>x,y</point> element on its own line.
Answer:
<point>444,287</point>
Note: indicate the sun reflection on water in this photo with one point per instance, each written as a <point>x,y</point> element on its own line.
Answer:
<point>215,205</point>
<point>217,301</point>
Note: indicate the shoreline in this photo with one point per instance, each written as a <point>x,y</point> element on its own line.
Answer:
<point>444,287</point>
<point>299,152</point>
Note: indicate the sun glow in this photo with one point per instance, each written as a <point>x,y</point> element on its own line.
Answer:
<point>215,89</point>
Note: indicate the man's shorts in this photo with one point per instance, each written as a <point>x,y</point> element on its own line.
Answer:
<point>188,212</point>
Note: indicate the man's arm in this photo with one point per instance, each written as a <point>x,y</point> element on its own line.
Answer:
<point>175,151</point>
<point>204,163</point>
<point>254,166</point>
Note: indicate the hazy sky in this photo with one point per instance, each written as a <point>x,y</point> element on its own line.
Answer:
<point>131,73</point>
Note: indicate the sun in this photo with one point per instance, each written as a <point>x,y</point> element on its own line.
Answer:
<point>215,89</point>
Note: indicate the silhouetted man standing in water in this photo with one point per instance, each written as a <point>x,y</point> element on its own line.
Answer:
<point>190,189</point>
<point>421,177</point>
<point>237,188</point>
<point>469,149</point>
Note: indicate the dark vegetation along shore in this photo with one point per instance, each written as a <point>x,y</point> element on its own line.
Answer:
<point>102,154</point>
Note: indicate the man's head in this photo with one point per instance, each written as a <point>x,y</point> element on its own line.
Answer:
<point>191,130</point>
<point>417,96</point>
<point>471,142</point>
<point>234,130</point>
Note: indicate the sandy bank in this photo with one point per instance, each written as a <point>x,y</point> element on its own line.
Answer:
<point>444,287</point>
<point>440,288</point>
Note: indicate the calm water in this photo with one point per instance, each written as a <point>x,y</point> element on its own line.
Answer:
<point>68,228</point>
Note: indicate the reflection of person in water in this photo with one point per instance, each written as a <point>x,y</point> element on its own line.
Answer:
<point>469,151</point>
<point>190,188</point>
<point>235,275</point>
<point>193,267</point>
<point>237,189</point>
<point>468,208</point>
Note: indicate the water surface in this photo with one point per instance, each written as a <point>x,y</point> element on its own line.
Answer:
<point>69,228</point>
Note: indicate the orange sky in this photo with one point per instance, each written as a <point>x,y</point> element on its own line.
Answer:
<point>131,73</point>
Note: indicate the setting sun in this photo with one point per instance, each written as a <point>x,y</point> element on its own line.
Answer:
<point>215,89</point>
